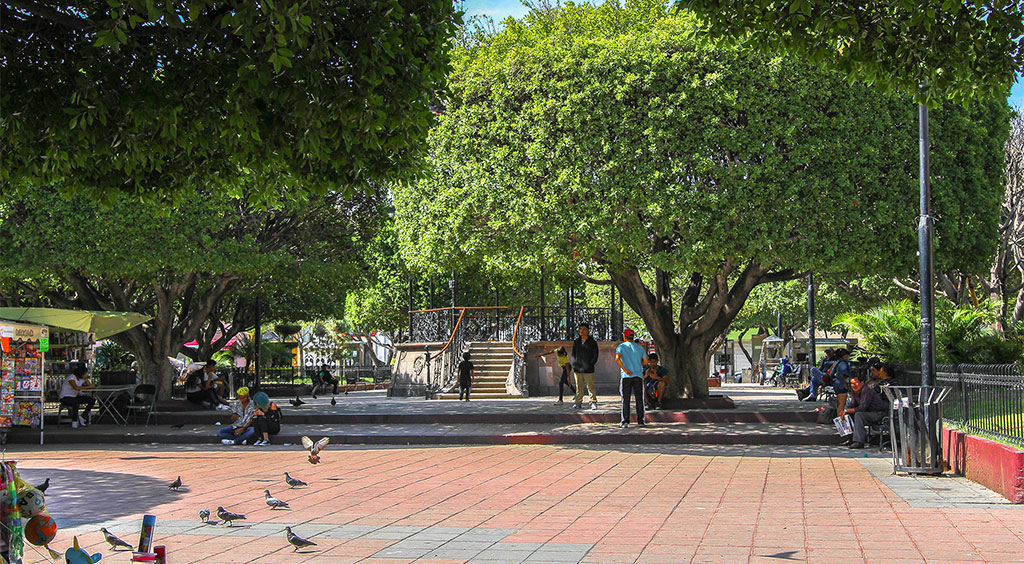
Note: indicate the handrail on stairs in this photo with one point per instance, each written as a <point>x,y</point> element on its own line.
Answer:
<point>452,337</point>
<point>515,332</point>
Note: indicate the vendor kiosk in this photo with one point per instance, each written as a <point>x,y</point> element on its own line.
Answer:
<point>22,377</point>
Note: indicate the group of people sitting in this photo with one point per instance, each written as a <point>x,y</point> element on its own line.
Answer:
<point>857,392</point>
<point>253,420</point>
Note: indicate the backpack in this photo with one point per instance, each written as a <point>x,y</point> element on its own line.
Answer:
<point>826,414</point>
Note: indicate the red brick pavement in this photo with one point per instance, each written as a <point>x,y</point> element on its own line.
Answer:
<point>656,505</point>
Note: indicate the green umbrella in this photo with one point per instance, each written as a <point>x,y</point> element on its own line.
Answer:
<point>101,323</point>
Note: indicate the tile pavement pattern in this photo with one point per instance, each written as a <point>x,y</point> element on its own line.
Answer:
<point>492,504</point>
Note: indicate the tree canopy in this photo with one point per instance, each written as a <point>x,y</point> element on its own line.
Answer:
<point>156,99</point>
<point>197,269</point>
<point>936,49</point>
<point>609,139</point>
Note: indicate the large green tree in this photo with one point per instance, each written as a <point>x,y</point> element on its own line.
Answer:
<point>157,99</point>
<point>609,139</point>
<point>198,268</point>
<point>932,49</point>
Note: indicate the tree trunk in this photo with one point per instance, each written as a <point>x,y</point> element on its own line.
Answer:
<point>685,342</point>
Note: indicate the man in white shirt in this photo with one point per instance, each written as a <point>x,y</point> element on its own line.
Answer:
<point>71,397</point>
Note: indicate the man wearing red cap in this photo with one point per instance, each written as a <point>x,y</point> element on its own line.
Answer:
<point>631,358</point>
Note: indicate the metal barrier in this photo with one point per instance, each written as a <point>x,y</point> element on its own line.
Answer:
<point>915,425</point>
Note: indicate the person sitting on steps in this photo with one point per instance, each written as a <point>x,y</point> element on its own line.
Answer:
<point>655,380</point>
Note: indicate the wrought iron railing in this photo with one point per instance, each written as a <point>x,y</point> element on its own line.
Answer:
<point>441,375</point>
<point>520,344</point>
<point>546,323</point>
<point>984,399</point>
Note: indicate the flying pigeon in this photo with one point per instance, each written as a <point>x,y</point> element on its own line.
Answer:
<point>314,448</point>
<point>297,541</point>
<point>228,516</point>
<point>113,541</point>
<point>204,515</point>
<point>293,482</point>
<point>175,484</point>
<point>42,487</point>
<point>275,503</point>
<point>334,401</point>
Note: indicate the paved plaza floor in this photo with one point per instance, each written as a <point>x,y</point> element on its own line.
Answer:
<point>526,503</point>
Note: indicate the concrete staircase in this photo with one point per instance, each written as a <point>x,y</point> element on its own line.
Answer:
<point>491,363</point>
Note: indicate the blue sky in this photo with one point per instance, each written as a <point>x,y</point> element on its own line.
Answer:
<point>501,9</point>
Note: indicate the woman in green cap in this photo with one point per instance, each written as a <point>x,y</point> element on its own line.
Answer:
<point>268,418</point>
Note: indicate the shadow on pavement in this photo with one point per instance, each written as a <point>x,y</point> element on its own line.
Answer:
<point>82,497</point>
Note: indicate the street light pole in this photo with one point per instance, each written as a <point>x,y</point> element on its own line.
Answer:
<point>812,354</point>
<point>925,228</point>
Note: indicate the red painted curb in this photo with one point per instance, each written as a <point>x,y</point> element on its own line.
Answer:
<point>996,466</point>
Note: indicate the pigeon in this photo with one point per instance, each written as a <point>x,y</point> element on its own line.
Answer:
<point>113,541</point>
<point>42,487</point>
<point>296,402</point>
<point>297,541</point>
<point>293,482</point>
<point>175,484</point>
<point>334,401</point>
<point>275,503</point>
<point>228,516</point>
<point>314,448</point>
<point>204,515</point>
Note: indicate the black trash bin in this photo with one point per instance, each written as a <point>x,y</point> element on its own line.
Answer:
<point>915,425</point>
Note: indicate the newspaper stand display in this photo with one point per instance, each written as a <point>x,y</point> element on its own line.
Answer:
<point>22,376</point>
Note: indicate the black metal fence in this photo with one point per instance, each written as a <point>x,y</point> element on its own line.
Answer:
<point>985,399</point>
<point>550,323</point>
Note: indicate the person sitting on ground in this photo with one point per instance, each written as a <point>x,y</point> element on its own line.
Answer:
<point>866,408</point>
<point>465,369</point>
<point>267,418</point>
<point>820,376</point>
<point>71,396</point>
<point>655,380</point>
<point>563,362</point>
<point>324,378</point>
<point>243,412</point>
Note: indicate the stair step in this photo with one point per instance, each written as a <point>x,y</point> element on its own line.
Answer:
<point>479,395</point>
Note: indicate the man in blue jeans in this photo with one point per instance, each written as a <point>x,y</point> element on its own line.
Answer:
<point>241,429</point>
<point>631,358</point>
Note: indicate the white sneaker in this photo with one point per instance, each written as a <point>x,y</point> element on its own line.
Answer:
<point>261,443</point>
<point>222,407</point>
<point>74,424</point>
<point>227,442</point>
<point>82,422</point>
<point>593,406</point>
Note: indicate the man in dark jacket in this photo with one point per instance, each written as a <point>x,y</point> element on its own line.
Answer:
<point>866,408</point>
<point>584,359</point>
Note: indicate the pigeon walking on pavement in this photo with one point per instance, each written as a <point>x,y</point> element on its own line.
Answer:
<point>334,402</point>
<point>293,482</point>
<point>275,503</point>
<point>297,541</point>
<point>204,515</point>
<point>175,484</point>
<point>228,516</point>
<point>315,448</point>
<point>114,541</point>
<point>42,487</point>
<point>296,402</point>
